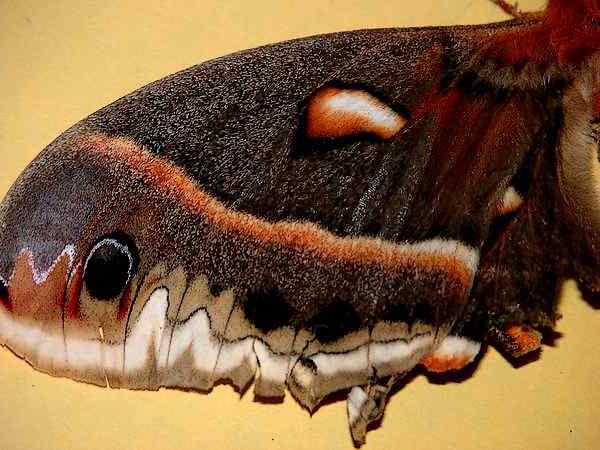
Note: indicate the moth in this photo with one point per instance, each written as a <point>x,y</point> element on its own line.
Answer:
<point>318,215</point>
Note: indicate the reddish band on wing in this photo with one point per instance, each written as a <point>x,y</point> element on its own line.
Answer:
<point>457,260</point>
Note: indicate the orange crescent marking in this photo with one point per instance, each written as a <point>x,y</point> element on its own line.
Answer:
<point>336,113</point>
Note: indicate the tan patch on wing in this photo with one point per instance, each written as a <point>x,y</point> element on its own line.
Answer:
<point>198,337</point>
<point>330,367</point>
<point>337,113</point>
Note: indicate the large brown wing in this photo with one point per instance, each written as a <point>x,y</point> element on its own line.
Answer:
<point>313,210</point>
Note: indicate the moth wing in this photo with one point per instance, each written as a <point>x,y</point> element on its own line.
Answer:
<point>337,189</point>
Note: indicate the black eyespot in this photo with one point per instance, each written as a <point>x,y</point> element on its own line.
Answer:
<point>109,267</point>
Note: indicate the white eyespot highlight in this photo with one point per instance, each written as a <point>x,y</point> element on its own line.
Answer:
<point>116,244</point>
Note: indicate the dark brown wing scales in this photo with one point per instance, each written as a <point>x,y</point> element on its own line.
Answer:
<point>308,266</point>
<point>397,166</point>
<point>379,170</point>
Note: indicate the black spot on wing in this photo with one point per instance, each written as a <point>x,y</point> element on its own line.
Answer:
<point>110,266</point>
<point>335,321</point>
<point>267,309</point>
<point>215,289</point>
<point>424,312</point>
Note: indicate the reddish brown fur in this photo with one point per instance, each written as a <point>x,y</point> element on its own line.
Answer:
<point>567,34</point>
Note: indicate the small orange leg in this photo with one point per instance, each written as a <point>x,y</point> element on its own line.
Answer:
<point>518,340</point>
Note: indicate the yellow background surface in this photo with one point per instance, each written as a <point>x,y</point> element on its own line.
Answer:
<point>61,60</point>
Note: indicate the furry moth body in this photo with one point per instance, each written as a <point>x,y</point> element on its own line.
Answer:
<point>316,215</point>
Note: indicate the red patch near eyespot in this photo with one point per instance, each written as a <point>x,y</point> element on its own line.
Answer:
<point>73,294</point>
<point>38,299</point>
<point>124,304</point>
